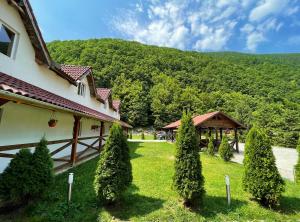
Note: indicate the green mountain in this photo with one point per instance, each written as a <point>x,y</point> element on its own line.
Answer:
<point>155,84</point>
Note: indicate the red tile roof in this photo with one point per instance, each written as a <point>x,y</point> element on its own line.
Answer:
<point>74,71</point>
<point>103,93</point>
<point>116,104</point>
<point>201,119</point>
<point>16,86</point>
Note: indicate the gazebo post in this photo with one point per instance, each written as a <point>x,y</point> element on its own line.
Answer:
<point>216,134</point>
<point>236,140</point>
<point>221,133</point>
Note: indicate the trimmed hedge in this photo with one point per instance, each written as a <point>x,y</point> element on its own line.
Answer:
<point>210,147</point>
<point>225,150</point>
<point>188,180</point>
<point>297,167</point>
<point>113,174</point>
<point>261,177</point>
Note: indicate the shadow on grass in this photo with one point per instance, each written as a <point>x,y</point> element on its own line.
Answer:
<point>135,205</point>
<point>214,205</point>
<point>289,205</point>
<point>133,147</point>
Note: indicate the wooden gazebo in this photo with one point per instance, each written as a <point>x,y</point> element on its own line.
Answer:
<point>214,122</point>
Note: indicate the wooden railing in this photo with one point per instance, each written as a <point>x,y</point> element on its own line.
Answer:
<point>82,155</point>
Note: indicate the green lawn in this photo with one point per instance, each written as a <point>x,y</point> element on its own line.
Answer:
<point>150,198</point>
<point>138,136</point>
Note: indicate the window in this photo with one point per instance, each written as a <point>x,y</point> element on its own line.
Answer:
<point>7,38</point>
<point>81,89</point>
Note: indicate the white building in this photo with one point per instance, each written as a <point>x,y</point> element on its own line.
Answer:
<point>41,98</point>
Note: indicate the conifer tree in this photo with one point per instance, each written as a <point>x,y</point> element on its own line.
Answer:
<point>225,150</point>
<point>210,146</point>
<point>42,165</point>
<point>297,167</point>
<point>188,180</point>
<point>113,174</point>
<point>15,182</point>
<point>261,177</point>
<point>143,135</point>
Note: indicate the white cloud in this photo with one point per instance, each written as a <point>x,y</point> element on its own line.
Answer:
<point>205,25</point>
<point>253,40</point>
<point>266,8</point>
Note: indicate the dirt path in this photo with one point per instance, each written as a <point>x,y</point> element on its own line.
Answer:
<point>286,159</point>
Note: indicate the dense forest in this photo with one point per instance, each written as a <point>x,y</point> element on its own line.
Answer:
<point>155,83</point>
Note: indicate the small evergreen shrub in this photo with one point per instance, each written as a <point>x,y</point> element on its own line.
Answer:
<point>42,165</point>
<point>225,150</point>
<point>113,174</point>
<point>154,136</point>
<point>142,136</point>
<point>15,182</point>
<point>130,135</point>
<point>210,146</point>
<point>297,167</point>
<point>261,177</point>
<point>188,180</point>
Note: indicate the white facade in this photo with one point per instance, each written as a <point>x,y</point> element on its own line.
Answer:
<point>23,123</point>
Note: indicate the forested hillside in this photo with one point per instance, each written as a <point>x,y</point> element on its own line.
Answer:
<point>155,84</point>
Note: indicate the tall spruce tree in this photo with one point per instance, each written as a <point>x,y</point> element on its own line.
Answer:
<point>225,150</point>
<point>261,177</point>
<point>42,165</point>
<point>113,174</point>
<point>297,167</point>
<point>188,180</point>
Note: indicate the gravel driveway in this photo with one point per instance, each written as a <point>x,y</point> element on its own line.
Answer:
<point>286,159</point>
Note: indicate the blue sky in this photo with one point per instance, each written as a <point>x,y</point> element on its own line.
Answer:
<point>256,26</point>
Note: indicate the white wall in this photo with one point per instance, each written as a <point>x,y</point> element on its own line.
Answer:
<point>27,124</point>
<point>24,67</point>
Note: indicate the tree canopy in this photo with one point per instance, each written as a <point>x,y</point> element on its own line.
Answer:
<point>155,84</point>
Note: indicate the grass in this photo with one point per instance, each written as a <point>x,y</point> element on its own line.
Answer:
<point>138,137</point>
<point>151,198</point>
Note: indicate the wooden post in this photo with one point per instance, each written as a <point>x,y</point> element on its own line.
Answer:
<point>172,136</point>
<point>75,139</point>
<point>236,140</point>
<point>216,134</point>
<point>221,133</point>
<point>101,135</point>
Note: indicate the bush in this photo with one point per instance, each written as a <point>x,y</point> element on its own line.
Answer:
<point>42,165</point>
<point>225,150</point>
<point>113,174</point>
<point>188,180</point>
<point>154,136</point>
<point>297,167</point>
<point>15,182</point>
<point>142,136</point>
<point>210,146</point>
<point>261,177</point>
<point>130,135</point>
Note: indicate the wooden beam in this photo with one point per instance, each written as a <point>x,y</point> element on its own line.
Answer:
<point>221,133</point>
<point>75,139</point>
<point>3,101</point>
<point>101,134</point>
<point>236,140</point>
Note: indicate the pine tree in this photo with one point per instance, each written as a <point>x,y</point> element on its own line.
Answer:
<point>16,182</point>
<point>297,167</point>
<point>143,136</point>
<point>188,180</point>
<point>113,174</point>
<point>42,165</point>
<point>210,146</point>
<point>261,177</point>
<point>225,150</point>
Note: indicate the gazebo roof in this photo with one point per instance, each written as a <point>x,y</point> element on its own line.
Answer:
<point>215,119</point>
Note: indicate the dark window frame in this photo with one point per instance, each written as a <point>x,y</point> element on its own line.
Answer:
<point>9,51</point>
